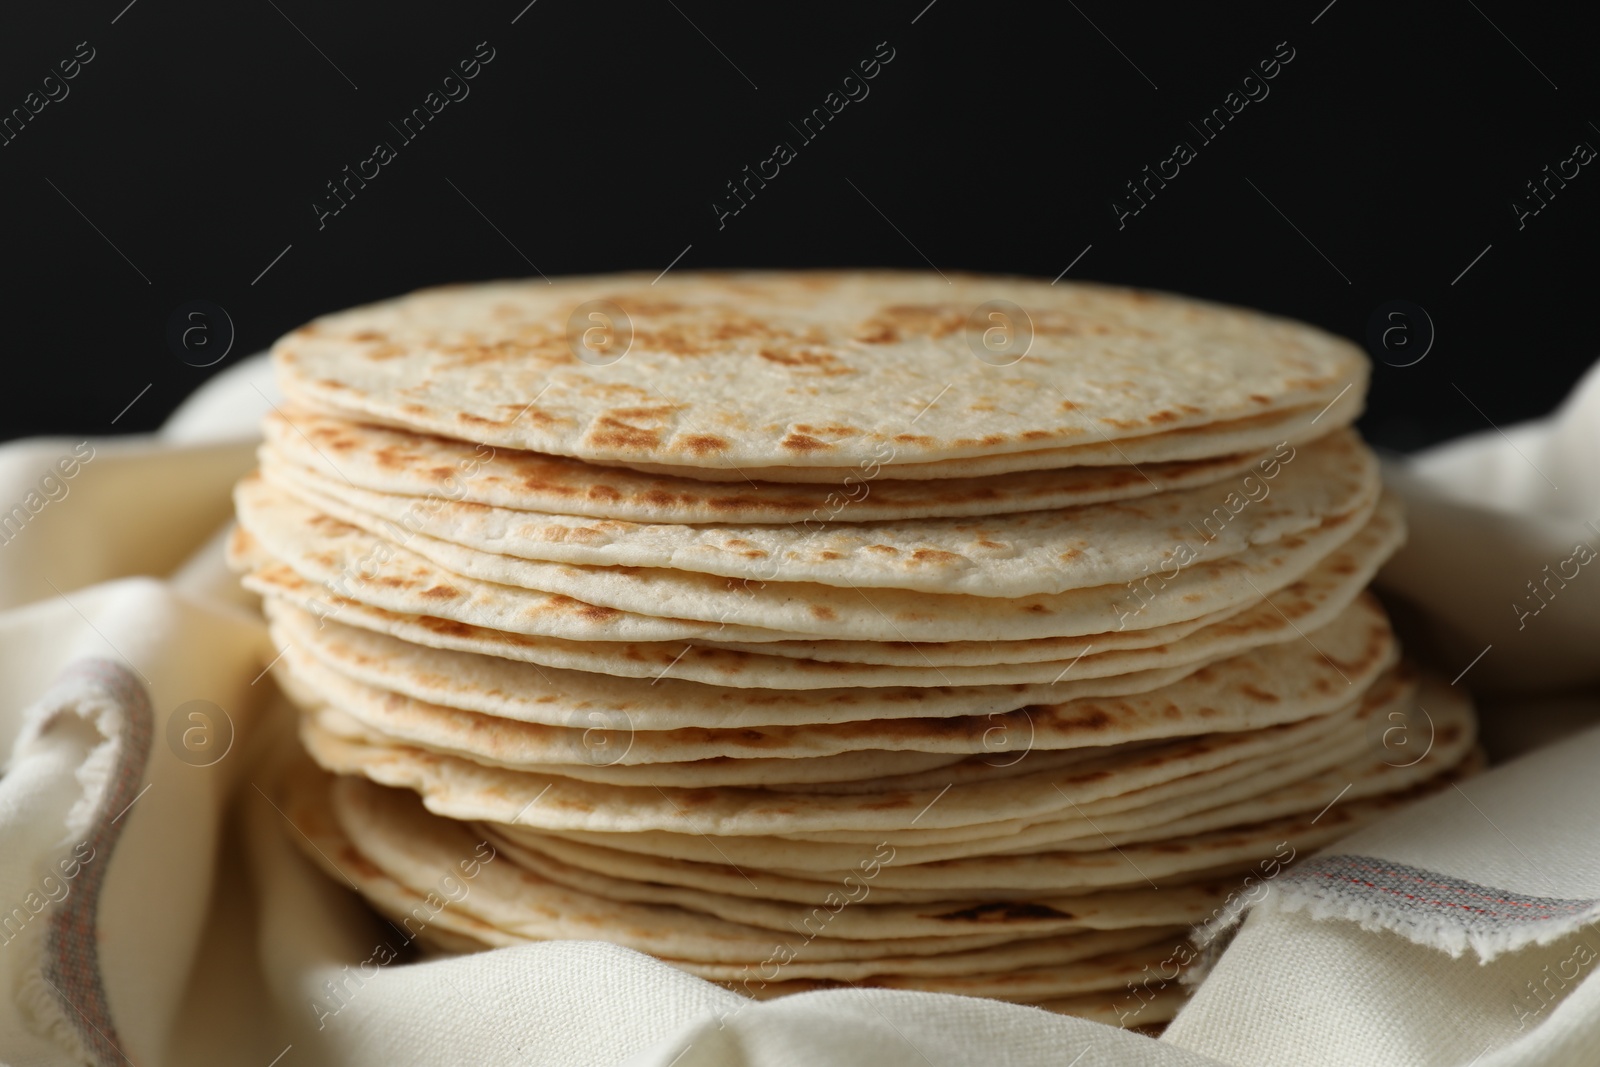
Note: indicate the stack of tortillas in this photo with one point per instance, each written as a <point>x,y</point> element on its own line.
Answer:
<point>972,635</point>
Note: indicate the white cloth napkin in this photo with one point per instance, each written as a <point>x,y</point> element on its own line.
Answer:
<point>1505,547</point>
<point>154,911</point>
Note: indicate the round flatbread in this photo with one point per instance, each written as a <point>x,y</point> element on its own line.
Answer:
<point>994,556</point>
<point>623,604</point>
<point>1256,434</point>
<point>807,370</point>
<point>424,468</point>
<point>1281,683</point>
<point>456,663</point>
<point>465,789</point>
<point>445,874</point>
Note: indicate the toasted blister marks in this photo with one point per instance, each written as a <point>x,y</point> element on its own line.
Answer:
<point>414,468</point>
<point>994,556</point>
<point>1103,663</point>
<point>535,597</point>
<point>746,356</point>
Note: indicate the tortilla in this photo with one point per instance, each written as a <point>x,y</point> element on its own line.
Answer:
<point>1010,555</point>
<point>1303,605</point>
<point>425,470</point>
<point>808,370</point>
<point>646,604</point>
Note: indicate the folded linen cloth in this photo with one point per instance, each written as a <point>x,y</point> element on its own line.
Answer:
<point>1459,931</point>
<point>1505,525</point>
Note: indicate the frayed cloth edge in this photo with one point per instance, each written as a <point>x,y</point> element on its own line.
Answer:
<point>1436,931</point>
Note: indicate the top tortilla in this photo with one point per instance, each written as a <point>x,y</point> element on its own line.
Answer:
<point>790,370</point>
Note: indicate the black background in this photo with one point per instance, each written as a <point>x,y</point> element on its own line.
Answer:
<point>189,153</point>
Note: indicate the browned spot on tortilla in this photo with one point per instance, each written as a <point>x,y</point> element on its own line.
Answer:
<point>447,626</point>
<point>701,444</point>
<point>655,411</point>
<point>934,555</point>
<point>613,432</point>
<point>591,612</point>
<point>889,802</point>
<point>641,306</point>
<point>1004,911</point>
<point>441,592</point>
<point>1093,719</point>
<point>533,414</point>
<point>934,320</point>
<point>823,612</point>
<point>707,336</point>
<point>809,360</point>
<point>830,429</point>
<point>799,442</point>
